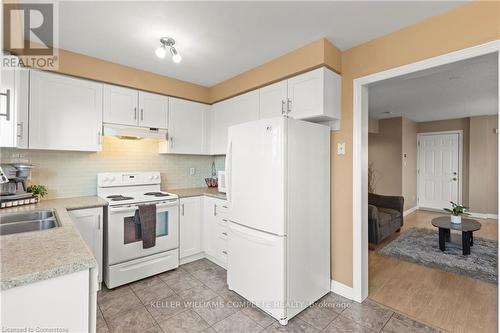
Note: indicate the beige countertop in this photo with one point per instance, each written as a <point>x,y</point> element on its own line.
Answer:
<point>40,255</point>
<point>198,191</point>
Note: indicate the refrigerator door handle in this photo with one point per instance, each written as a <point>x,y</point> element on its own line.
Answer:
<point>253,235</point>
<point>228,170</point>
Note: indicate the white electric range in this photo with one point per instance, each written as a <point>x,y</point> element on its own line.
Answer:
<point>125,260</point>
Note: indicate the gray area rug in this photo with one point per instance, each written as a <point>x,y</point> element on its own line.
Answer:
<point>421,246</point>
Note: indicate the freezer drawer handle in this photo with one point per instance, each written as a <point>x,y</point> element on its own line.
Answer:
<point>253,238</point>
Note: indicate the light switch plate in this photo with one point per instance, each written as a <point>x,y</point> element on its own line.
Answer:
<point>192,171</point>
<point>341,148</point>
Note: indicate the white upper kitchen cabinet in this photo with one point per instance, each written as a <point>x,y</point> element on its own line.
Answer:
<point>153,110</point>
<point>314,95</point>
<point>14,89</point>
<point>190,226</point>
<point>236,110</point>
<point>125,106</point>
<point>188,128</point>
<point>120,105</point>
<point>65,113</point>
<point>273,100</point>
<point>89,224</point>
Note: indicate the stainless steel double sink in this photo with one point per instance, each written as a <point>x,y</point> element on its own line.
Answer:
<point>35,220</point>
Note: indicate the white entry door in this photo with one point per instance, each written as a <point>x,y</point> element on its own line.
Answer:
<point>439,169</point>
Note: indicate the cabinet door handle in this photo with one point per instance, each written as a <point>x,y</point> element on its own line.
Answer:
<point>225,220</point>
<point>225,252</point>
<point>215,210</point>
<point>7,104</point>
<point>171,142</point>
<point>224,233</point>
<point>182,209</point>
<point>98,222</point>
<point>283,110</point>
<point>135,113</point>
<point>289,105</point>
<point>21,130</point>
<point>142,114</point>
<point>99,137</point>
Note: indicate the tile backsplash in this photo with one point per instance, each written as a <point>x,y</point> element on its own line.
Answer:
<point>69,173</point>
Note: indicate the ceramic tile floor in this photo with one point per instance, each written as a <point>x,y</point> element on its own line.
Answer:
<point>195,298</point>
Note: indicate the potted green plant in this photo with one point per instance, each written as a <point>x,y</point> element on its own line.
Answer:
<point>456,212</point>
<point>38,190</point>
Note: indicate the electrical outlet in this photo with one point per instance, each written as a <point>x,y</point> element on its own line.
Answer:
<point>192,171</point>
<point>341,148</point>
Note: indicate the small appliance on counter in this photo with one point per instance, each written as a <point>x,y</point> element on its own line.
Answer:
<point>13,179</point>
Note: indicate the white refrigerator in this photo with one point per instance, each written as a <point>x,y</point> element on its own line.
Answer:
<point>278,189</point>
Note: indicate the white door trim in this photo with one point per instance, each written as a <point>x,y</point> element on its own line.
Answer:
<point>460,160</point>
<point>360,152</point>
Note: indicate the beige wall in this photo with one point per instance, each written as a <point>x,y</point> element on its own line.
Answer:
<point>450,125</point>
<point>71,173</point>
<point>316,54</point>
<point>384,154</point>
<point>472,24</point>
<point>409,163</point>
<point>483,195</point>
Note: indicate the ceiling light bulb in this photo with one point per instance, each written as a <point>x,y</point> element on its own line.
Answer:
<point>161,52</point>
<point>176,57</point>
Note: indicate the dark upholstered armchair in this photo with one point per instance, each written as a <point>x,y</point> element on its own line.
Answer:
<point>385,216</point>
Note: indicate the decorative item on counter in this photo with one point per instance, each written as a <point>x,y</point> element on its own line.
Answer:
<point>456,212</point>
<point>38,190</point>
<point>212,181</point>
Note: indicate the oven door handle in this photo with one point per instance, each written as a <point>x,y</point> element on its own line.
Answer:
<point>133,208</point>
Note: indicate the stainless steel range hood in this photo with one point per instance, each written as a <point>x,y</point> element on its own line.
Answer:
<point>133,132</point>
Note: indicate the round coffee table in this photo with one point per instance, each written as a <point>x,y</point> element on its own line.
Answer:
<point>467,227</point>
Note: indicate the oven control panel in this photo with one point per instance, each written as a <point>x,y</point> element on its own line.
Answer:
<point>111,179</point>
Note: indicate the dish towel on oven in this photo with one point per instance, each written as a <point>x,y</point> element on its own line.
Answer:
<point>146,217</point>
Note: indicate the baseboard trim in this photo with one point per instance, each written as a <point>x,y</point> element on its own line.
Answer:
<point>409,211</point>
<point>194,257</point>
<point>342,289</point>
<point>484,215</point>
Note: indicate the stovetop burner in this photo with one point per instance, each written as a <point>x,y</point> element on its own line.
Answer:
<point>157,194</point>
<point>118,197</point>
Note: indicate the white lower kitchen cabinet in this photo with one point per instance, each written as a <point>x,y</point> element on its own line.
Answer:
<point>214,230</point>
<point>188,128</point>
<point>67,302</point>
<point>190,226</point>
<point>65,112</point>
<point>90,225</point>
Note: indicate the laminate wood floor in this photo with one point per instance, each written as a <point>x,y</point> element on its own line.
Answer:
<point>449,301</point>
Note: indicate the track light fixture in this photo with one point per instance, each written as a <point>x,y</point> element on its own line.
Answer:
<point>161,51</point>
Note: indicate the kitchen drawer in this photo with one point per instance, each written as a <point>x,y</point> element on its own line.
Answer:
<point>221,229</point>
<point>221,249</point>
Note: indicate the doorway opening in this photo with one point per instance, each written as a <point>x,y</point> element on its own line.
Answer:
<point>444,154</point>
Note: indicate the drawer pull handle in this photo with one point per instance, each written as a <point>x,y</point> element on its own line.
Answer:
<point>224,233</point>
<point>225,252</point>
<point>225,220</point>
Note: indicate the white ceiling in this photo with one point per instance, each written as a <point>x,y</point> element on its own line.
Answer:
<point>462,89</point>
<point>219,40</point>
